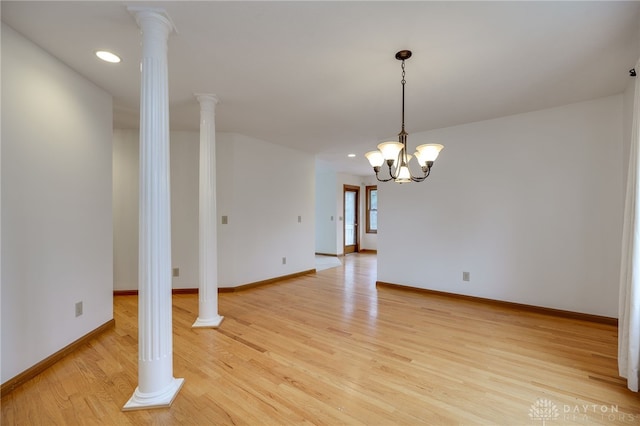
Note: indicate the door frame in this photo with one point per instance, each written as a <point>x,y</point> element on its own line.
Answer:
<point>356,246</point>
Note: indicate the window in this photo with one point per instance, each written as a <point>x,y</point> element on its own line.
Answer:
<point>372,209</point>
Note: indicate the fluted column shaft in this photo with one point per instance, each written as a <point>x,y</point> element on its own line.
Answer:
<point>208,250</point>
<point>156,385</point>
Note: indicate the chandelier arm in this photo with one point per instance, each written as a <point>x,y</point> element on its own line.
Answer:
<point>416,178</point>
<point>426,173</point>
<point>377,170</point>
<point>389,164</point>
<point>382,180</point>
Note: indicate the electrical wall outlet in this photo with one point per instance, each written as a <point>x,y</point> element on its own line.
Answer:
<point>225,220</point>
<point>466,276</point>
<point>176,272</point>
<point>78,309</point>
<point>284,260</point>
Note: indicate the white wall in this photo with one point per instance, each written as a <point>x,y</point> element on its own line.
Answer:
<point>326,212</point>
<point>262,188</point>
<point>184,208</point>
<point>126,150</point>
<point>185,152</point>
<point>531,205</point>
<point>56,205</point>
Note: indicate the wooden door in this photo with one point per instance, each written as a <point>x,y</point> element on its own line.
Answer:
<point>351,215</point>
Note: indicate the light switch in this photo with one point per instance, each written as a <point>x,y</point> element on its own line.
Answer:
<point>225,220</point>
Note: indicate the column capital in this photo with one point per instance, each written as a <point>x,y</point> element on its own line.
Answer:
<point>207,100</point>
<point>144,14</point>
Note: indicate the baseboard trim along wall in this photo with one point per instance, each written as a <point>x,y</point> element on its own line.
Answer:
<point>363,251</point>
<point>32,372</point>
<point>265,282</point>
<point>520,306</point>
<point>173,291</point>
<point>184,291</point>
<point>125,292</point>
<point>224,289</point>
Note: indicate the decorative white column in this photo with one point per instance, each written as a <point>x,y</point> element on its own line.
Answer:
<point>208,291</point>
<point>156,385</point>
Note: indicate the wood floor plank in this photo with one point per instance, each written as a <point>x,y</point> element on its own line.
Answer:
<point>329,349</point>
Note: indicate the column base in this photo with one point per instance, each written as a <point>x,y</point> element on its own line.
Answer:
<point>162,399</point>
<point>208,323</point>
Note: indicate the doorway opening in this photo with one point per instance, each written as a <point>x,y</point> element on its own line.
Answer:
<point>351,215</point>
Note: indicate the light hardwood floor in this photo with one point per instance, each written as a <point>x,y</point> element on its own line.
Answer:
<point>331,349</point>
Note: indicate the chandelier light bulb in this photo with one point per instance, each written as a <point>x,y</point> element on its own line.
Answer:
<point>375,158</point>
<point>404,176</point>
<point>430,151</point>
<point>390,150</point>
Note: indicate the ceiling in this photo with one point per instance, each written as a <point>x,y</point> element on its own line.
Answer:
<point>321,76</point>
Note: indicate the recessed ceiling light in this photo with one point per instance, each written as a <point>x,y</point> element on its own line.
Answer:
<point>351,155</point>
<point>108,56</point>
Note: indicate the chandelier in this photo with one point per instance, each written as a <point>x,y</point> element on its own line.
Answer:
<point>395,154</point>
